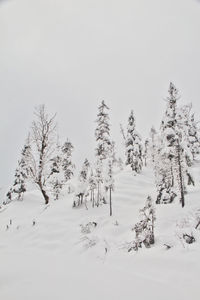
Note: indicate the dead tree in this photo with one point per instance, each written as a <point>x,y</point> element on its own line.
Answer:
<point>43,140</point>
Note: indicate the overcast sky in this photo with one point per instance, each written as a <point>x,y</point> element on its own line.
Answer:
<point>71,54</point>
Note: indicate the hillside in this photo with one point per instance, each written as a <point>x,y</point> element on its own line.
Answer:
<point>46,255</point>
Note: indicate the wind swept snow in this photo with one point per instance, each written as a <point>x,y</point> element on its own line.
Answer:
<point>56,252</point>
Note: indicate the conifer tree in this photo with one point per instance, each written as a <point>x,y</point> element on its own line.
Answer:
<point>194,136</point>
<point>56,176</point>
<point>146,151</point>
<point>102,132</point>
<point>144,229</point>
<point>92,187</point>
<point>67,165</point>
<point>173,153</point>
<point>183,120</point>
<point>166,189</point>
<point>113,153</point>
<point>21,174</point>
<point>109,183</point>
<point>83,181</point>
<point>84,171</point>
<point>133,146</point>
<point>152,143</point>
<point>103,149</point>
<point>61,168</point>
<point>99,180</point>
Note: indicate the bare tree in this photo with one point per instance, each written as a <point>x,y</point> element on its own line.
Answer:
<point>43,136</point>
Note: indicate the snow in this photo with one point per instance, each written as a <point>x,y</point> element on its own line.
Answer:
<point>53,259</point>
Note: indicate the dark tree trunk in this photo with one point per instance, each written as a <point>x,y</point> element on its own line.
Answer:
<point>180,176</point>
<point>98,194</point>
<point>110,201</point>
<point>46,197</point>
<point>92,198</point>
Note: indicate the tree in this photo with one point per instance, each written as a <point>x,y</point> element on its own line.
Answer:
<point>102,132</point>
<point>43,143</point>
<point>146,151</point>
<point>67,164</point>
<point>104,147</point>
<point>194,137</point>
<point>92,186</point>
<point>113,153</point>
<point>56,175</point>
<point>174,153</point>
<point>144,229</point>
<point>21,174</point>
<point>133,146</point>
<point>83,181</point>
<point>61,168</point>
<point>167,149</point>
<point>99,180</point>
<point>109,183</point>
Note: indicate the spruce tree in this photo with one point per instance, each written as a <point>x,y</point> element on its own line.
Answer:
<point>61,168</point>
<point>133,146</point>
<point>173,152</point>
<point>56,176</point>
<point>103,149</point>
<point>144,229</point>
<point>21,174</point>
<point>146,151</point>
<point>99,180</point>
<point>102,132</point>
<point>83,181</point>
<point>67,165</point>
<point>167,151</point>
<point>92,186</point>
<point>109,182</point>
<point>194,136</point>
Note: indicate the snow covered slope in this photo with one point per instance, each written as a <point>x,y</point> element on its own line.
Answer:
<point>46,254</point>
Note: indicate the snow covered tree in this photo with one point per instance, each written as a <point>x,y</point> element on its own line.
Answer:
<point>152,144</point>
<point>133,146</point>
<point>183,116</point>
<point>42,148</point>
<point>194,136</point>
<point>83,181</point>
<point>92,186</point>
<point>84,172</point>
<point>144,229</point>
<point>146,151</point>
<point>67,164</point>
<point>99,180</point>
<point>21,174</point>
<point>120,164</point>
<point>166,191</point>
<point>174,153</point>
<point>61,168</point>
<point>113,153</point>
<point>56,175</point>
<point>103,149</point>
<point>102,132</point>
<point>109,183</point>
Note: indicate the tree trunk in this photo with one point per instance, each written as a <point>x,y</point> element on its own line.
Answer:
<point>98,194</point>
<point>46,197</point>
<point>110,201</point>
<point>180,177</point>
<point>92,198</point>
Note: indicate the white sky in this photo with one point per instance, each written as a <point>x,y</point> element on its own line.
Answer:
<point>71,54</point>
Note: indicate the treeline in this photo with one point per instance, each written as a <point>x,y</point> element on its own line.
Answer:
<point>171,150</point>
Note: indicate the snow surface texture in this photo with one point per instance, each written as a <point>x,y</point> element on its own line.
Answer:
<point>56,252</point>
